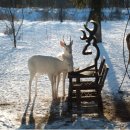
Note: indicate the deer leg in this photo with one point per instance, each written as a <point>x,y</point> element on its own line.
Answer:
<point>54,87</point>
<point>30,83</point>
<point>52,84</point>
<point>57,84</point>
<point>36,79</point>
<point>64,77</point>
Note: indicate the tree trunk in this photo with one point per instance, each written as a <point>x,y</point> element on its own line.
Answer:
<point>95,14</point>
<point>99,31</point>
<point>61,15</point>
<point>14,36</point>
<point>15,42</point>
<point>61,10</point>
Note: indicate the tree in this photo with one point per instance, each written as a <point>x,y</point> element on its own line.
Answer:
<point>60,2</point>
<point>14,26</point>
<point>95,13</point>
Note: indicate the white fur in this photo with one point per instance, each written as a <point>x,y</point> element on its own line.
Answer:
<point>68,54</point>
<point>51,66</point>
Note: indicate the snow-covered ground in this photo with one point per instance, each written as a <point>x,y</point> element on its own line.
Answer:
<point>38,37</point>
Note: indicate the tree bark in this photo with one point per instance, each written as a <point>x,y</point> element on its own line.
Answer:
<point>61,10</point>
<point>95,14</point>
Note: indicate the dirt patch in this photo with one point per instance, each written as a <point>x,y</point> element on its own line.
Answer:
<point>117,107</point>
<point>41,112</point>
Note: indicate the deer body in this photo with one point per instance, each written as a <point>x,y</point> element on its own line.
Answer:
<point>51,66</point>
<point>46,65</point>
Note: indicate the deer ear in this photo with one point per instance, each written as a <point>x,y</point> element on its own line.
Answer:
<point>62,43</point>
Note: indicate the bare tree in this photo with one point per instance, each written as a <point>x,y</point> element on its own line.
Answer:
<point>95,13</point>
<point>61,4</point>
<point>13,26</point>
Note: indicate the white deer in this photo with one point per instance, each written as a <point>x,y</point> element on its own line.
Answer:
<point>51,66</point>
<point>67,54</point>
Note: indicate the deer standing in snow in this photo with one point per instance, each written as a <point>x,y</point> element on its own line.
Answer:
<point>67,54</point>
<point>51,66</point>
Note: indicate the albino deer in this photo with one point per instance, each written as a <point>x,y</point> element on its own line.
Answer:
<point>51,66</point>
<point>68,54</point>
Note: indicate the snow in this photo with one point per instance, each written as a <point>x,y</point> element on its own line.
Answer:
<point>36,14</point>
<point>38,37</point>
